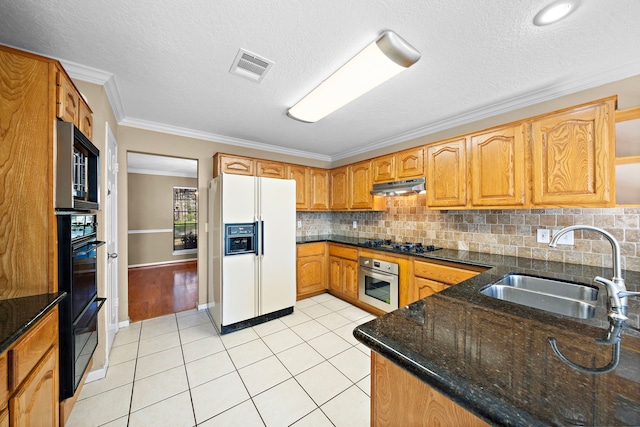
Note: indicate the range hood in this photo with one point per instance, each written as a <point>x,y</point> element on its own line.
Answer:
<point>399,188</point>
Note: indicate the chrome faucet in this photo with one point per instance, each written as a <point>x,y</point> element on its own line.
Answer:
<point>616,290</point>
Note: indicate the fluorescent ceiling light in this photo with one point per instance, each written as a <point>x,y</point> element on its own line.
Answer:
<point>555,11</point>
<point>378,62</point>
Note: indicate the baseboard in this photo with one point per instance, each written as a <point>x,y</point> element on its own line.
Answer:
<point>201,307</point>
<point>123,324</point>
<point>97,374</point>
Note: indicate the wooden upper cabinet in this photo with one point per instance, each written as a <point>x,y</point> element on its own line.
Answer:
<point>573,156</point>
<point>446,173</point>
<point>67,99</point>
<point>410,163</point>
<point>384,168</point>
<point>497,167</point>
<point>339,188</point>
<point>85,120</point>
<point>319,189</point>
<point>268,169</point>
<point>237,165</point>
<point>300,174</point>
<point>361,183</point>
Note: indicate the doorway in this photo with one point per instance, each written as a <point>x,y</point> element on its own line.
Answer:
<point>162,210</point>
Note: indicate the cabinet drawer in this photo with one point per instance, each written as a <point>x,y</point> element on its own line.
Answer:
<point>309,249</point>
<point>442,273</point>
<point>342,252</point>
<point>28,351</point>
<point>4,390</point>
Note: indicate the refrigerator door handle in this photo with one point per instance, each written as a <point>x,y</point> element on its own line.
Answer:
<point>255,235</point>
<point>262,237</point>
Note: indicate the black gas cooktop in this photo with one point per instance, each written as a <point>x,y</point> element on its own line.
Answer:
<point>399,247</point>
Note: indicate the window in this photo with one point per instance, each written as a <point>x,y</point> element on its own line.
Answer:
<point>185,218</point>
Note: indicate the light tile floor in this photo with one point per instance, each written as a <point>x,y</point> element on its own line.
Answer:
<point>304,369</point>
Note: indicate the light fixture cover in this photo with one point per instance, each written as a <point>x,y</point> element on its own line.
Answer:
<point>376,63</point>
<point>555,11</point>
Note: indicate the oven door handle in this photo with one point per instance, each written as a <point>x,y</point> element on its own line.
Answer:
<point>88,247</point>
<point>378,272</point>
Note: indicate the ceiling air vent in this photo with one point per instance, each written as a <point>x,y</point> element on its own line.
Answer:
<point>250,66</point>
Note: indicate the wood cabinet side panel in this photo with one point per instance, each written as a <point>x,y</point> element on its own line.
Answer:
<point>4,377</point>
<point>27,111</point>
<point>400,399</point>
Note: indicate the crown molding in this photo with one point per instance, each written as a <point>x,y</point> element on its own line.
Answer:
<point>531,98</point>
<point>206,136</point>
<point>99,77</point>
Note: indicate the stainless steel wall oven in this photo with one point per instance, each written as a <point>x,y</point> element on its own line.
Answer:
<point>378,283</point>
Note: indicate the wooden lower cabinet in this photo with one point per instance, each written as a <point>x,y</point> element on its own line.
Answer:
<point>400,399</point>
<point>36,401</point>
<point>310,270</point>
<point>430,277</point>
<point>343,271</point>
<point>29,385</point>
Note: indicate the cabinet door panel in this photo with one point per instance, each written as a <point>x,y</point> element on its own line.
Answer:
<point>36,401</point>
<point>339,188</point>
<point>270,169</point>
<point>573,157</point>
<point>310,274</point>
<point>319,189</point>
<point>300,174</point>
<point>360,183</point>
<point>224,163</point>
<point>384,168</point>
<point>497,167</point>
<point>335,274</point>
<point>85,120</point>
<point>350,274</point>
<point>67,99</point>
<point>446,177</point>
<point>410,163</point>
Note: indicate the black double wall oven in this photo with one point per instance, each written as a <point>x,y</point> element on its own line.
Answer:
<point>77,169</point>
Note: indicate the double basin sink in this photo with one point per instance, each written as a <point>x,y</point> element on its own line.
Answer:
<point>555,296</point>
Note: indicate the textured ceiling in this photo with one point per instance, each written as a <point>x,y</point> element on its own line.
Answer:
<point>166,63</point>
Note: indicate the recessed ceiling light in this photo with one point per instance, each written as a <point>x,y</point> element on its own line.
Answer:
<point>555,11</point>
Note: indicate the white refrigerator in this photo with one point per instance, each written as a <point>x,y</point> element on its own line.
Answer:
<point>251,288</point>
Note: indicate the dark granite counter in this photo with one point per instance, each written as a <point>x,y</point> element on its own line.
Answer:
<point>17,315</point>
<point>494,358</point>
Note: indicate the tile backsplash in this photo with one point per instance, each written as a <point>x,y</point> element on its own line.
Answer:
<point>504,232</point>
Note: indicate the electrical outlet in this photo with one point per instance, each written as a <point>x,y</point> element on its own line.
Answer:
<point>566,238</point>
<point>299,224</point>
<point>543,235</point>
<point>355,224</point>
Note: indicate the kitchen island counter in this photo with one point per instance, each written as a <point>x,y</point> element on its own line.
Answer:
<point>494,358</point>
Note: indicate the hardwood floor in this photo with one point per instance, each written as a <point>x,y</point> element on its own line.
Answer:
<point>162,289</point>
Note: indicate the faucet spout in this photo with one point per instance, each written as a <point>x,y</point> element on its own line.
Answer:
<point>615,247</point>
<point>616,289</point>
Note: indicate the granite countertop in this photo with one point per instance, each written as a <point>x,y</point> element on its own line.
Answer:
<point>17,315</point>
<point>494,358</point>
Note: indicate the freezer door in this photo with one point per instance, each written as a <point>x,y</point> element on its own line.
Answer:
<point>239,278</point>
<point>239,199</point>
<point>277,205</point>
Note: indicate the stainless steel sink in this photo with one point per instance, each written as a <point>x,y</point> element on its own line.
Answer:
<point>555,296</point>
